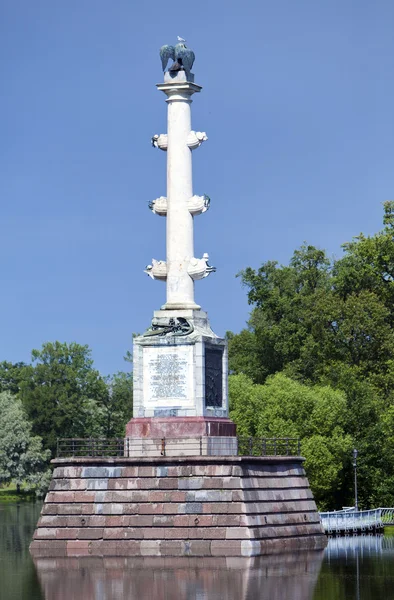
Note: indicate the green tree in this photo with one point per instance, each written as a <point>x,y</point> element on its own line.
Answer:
<point>117,404</point>
<point>22,458</point>
<point>58,390</point>
<point>330,323</point>
<point>368,264</point>
<point>283,407</point>
<point>11,375</point>
<point>282,324</point>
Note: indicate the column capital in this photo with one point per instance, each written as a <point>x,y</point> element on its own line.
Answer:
<point>178,85</point>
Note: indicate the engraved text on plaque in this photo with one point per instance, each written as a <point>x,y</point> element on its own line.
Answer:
<point>167,375</point>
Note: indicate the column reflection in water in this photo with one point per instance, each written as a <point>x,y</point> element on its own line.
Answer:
<point>276,577</point>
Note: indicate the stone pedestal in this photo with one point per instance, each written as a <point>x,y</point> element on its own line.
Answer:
<point>178,506</point>
<point>180,368</point>
<point>180,385</point>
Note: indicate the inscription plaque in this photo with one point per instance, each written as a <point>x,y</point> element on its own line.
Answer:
<point>213,377</point>
<point>167,375</point>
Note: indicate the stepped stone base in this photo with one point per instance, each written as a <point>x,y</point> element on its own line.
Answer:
<point>176,506</point>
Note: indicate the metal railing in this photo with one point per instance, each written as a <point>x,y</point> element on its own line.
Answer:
<point>196,446</point>
<point>352,521</point>
<point>90,447</point>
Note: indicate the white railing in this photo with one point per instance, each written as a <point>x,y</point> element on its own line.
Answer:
<point>352,521</point>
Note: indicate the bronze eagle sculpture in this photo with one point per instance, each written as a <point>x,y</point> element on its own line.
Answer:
<point>182,56</point>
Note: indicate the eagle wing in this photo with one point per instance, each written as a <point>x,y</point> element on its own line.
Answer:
<point>166,52</point>
<point>186,56</point>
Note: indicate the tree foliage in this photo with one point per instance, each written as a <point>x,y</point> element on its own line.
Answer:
<point>58,389</point>
<point>326,324</point>
<point>22,458</point>
<point>283,407</point>
<point>59,395</point>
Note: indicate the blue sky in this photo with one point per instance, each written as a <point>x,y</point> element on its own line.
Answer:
<point>297,103</point>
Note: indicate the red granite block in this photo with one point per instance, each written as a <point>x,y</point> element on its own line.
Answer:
<point>180,520</point>
<point>212,483</point>
<point>120,496</point>
<point>206,533</point>
<point>146,472</point>
<point>232,483</point>
<point>179,427</point>
<point>177,496</point>
<point>90,533</point>
<point>84,496</point>
<point>140,521</point>
<point>238,533</point>
<point>226,548</point>
<point>201,520</point>
<point>147,483</point>
<point>154,533</point>
<point>113,521</point>
<point>230,520</point>
<point>129,472</point>
<point>170,508</point>
<point>60,509</point>
<point>180,471</point>
<point>60,497</point>
<point>150,547</point>
<point>66,533</point>
<point>219,507</point>
<point>118,484</point>
<point>45,533</point>
<point>87,509</point>
<point>172,548</point>
<point>78,548</point>
<point>168,483</point>
<point>131,508</point>
<point>151,509</point>
<point>122,533</point>
<point>200,547</point>
<point>123,484</point>
<point>86,521</point>
<point>52,521</point>
<point>163,520</point>
<point>78,484</point>
<point>153,496</point>
<point>58,473</point>
<point>175,533</point>
<point>77,544</point>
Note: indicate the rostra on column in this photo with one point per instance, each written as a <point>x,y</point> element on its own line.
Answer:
<point>180,242</point>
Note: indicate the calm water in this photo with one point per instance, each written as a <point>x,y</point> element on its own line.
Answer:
<point>361,568</point>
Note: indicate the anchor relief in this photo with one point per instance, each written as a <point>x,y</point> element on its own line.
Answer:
<point>172,326</point>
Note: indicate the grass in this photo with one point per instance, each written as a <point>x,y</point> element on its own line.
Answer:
<point>389,530</point>
<point>8,493</point>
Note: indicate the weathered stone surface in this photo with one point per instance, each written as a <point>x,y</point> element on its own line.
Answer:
<point>191,483</point>
<point>183,506</point>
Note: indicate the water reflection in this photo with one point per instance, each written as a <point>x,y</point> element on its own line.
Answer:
<point>280,577</point>
<point>18,579</point>
<point>359,567</point>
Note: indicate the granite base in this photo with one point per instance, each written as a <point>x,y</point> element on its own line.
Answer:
<point>177,506</point>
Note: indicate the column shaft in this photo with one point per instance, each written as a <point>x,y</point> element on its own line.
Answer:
<point>180,246</point>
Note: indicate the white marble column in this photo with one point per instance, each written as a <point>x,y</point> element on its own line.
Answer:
<point>180,242</point>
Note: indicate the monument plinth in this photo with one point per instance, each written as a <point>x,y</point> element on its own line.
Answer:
<point>180,365</point>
